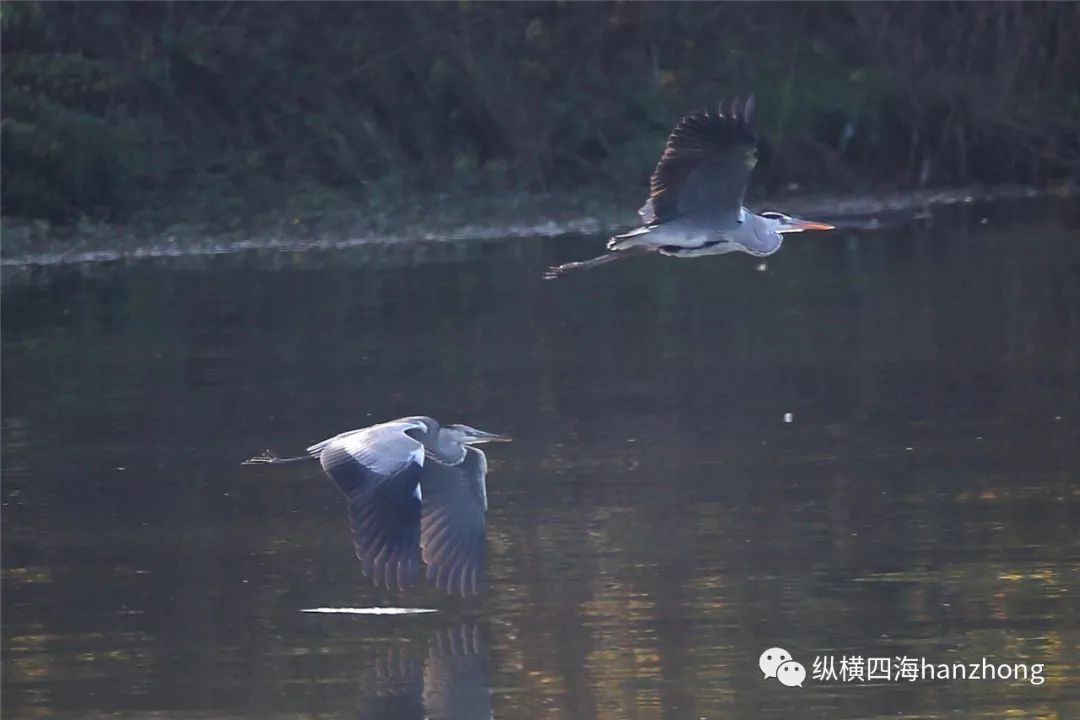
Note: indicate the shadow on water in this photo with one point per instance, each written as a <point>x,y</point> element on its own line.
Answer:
<point>655,525</point>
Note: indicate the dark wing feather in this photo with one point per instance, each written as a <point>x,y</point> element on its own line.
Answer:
<point>705,166</point>
<point>452,523</point>
<point>384,513</point>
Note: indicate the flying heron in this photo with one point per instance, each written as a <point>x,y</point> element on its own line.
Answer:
<point>695,204</point>
<point>415,491</point>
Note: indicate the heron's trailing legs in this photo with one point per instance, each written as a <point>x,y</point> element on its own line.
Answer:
<point>269,457</point>
<point>559,270</point>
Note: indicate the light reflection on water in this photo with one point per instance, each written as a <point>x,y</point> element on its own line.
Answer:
<point>654,526</point>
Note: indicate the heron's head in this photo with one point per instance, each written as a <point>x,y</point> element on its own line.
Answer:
<point>472,436</point>
<point>780,223</point>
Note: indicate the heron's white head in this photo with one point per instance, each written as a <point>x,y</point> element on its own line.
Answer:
<point>780,223</point>
<point>472,436</point>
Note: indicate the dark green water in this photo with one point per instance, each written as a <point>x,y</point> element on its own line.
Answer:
<point>655,526</point>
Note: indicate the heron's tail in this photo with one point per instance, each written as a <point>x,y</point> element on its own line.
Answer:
<point>559,270</point>
<point>269,457</point>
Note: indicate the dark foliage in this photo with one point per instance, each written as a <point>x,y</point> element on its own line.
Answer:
<point>110,108</point>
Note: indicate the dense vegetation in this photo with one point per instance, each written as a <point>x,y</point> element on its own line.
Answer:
<point>114,108</point>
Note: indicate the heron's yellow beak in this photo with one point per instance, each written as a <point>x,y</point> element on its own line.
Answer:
<point>483,437</point>
<point>810,225</point>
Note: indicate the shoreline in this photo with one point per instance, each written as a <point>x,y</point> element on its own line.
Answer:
<point>446,218</point>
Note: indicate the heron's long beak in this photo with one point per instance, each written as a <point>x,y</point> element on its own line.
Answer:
<point>482,436</point>
<point>798,224</point>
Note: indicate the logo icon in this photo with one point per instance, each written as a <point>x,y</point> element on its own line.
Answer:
<point>778,663</point>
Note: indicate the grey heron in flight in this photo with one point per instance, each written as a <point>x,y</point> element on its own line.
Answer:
<point>695,205</point>
<point>415,491</point>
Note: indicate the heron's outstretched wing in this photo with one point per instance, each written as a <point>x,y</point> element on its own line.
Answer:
<point>379,470</point>
<point>384,448</point>
<point>705,166</point>
<point>456,681</point>
<point>452,528</point>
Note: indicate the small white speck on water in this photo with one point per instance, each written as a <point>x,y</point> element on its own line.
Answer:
<point>789,418</point>
<point>910,449</point>
<point>1057,417</point>
<point>983,221</point>
<point>762,266</point>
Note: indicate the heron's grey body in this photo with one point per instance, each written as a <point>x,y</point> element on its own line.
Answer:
<point>695,205</point>
<point>692,237</point>
<point>416,491</point>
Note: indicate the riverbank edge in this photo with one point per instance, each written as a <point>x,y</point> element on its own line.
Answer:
<point>302,225</point>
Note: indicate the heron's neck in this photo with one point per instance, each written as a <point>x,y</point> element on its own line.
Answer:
<point>447,450</point>
<point>766,239</point>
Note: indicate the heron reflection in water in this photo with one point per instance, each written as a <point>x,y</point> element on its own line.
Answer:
<point>695,205</point>
<point>416,490</point>
<point>450,682</point>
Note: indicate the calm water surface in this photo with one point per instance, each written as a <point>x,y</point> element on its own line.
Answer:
<point>655,526</point>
